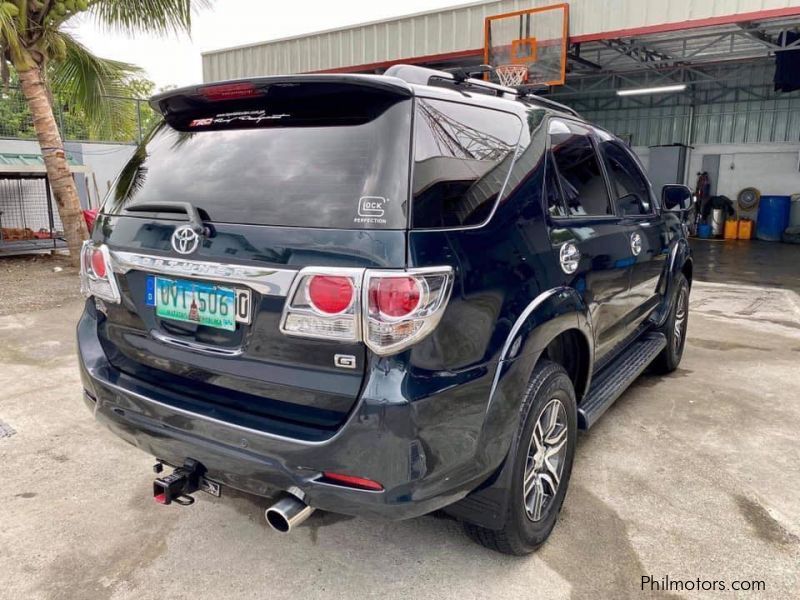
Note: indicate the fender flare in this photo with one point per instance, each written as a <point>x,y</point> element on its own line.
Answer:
<point>550,314</point>
<point>679,255</point>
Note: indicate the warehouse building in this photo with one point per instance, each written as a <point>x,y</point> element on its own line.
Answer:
<point>724,74</point>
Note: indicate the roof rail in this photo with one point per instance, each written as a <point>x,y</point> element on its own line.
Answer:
<point>461,76</point>
<point>534,99</point>
<point>425,76</point>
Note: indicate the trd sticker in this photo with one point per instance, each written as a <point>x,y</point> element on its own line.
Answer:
<point>371,209</point>
<point>250,116</point>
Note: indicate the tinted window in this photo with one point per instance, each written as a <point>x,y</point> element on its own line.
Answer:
<point>555,204</point>
<point>627,180</point>
<point>281,167</point>
<point>579,170</point>
<point>462,156</point>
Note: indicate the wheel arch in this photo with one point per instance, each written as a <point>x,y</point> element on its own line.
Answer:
<point>557,317</point>
<point>554,318</point>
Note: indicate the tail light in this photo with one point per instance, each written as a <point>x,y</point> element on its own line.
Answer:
<point>97,277</point>
<point>401,308</point>
<point>324,304</point>
<point>388,310</point>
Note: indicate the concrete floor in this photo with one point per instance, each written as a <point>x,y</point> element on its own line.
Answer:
<point>689,476</point>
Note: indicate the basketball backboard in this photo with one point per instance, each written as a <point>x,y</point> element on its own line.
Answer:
<point>535,38</point>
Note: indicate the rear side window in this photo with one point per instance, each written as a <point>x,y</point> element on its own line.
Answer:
<point>627,180</point>
<point>331,159</point>
<point>555,203</point>
<point>579,172</point>
<point>462,158</point>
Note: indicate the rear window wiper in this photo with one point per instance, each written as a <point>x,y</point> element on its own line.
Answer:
<point>171,207</point>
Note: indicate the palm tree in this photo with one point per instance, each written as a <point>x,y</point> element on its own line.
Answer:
<point>35,44</point>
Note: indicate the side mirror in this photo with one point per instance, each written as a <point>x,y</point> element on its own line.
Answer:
<point>676,198</point>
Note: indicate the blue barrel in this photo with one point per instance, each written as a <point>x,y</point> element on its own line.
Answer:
<point>773,217</point>
<point>704,231</point>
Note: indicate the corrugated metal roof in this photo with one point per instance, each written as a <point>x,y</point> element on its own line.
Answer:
<point>25,160</point>
<point>459,30</point>
<point>19,165</point>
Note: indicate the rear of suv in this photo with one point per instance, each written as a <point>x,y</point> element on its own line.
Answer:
<point>377,295</point>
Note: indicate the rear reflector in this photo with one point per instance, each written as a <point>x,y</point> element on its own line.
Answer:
<point>229,91</point>
<point>97,262</point>
<point>329,294</point>
<point>359,483</point>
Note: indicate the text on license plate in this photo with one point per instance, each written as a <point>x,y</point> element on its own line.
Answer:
<point>196,302</point>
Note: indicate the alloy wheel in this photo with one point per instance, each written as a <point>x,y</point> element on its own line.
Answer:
<point>545,460</point>
<point>680,320</point>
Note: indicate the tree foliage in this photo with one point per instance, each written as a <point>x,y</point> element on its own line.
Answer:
<point>88,91</point>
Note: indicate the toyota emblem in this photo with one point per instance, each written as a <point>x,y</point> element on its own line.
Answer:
<point>185,240</point>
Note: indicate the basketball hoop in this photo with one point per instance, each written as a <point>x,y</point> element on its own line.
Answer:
<point>512,75</point>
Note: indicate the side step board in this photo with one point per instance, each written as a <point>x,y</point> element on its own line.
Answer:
<point>615,378</point>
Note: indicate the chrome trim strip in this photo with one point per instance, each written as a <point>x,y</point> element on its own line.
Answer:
<point>195,346</point>
<point>266,281</point>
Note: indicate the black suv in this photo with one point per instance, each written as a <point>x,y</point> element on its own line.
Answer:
<point>377,295</point>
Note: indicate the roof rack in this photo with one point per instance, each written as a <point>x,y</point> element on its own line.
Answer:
<point>462,76</point>
<point>534,99</point>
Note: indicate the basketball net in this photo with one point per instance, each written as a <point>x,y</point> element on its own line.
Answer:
<point>512,75</point>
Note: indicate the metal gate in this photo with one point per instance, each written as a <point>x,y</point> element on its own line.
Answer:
<point>29,219</point>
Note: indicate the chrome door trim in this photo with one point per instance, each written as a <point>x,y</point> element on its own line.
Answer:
<point>266,281</point>
<point>195,346</point>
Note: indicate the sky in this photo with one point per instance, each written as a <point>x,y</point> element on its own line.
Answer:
<point>176,60</point>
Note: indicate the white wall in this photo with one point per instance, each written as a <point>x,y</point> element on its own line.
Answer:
<point>773,169</point>
<point>104,160</point>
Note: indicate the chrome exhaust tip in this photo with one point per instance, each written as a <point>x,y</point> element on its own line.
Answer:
<point>287,513</point>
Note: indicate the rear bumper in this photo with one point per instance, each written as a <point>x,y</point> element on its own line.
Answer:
<point>422,453</point>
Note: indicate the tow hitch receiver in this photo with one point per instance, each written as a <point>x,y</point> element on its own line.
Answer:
<point>179,485</point>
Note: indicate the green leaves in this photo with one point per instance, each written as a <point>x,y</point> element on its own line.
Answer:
<point>162,17</point>
<point>32,36</point>
<point>11,10</point>
<point>96,86</point>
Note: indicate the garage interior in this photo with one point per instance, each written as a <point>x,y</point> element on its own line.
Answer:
<point>730,131</point>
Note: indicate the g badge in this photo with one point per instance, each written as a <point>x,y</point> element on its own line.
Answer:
<point>344,361</point>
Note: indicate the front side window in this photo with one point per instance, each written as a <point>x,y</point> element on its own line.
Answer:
<point>579,172</point>
<point>627,180</point>
<point>462,157</point>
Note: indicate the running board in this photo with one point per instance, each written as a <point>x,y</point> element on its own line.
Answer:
<point>615,378</point>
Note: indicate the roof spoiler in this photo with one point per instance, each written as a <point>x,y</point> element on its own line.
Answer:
<point>200,96</point>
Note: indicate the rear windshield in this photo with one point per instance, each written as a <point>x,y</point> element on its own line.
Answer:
<point>338,161</point>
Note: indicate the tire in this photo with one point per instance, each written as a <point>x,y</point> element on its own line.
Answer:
<point>527,526</point>
<point>674,329</point>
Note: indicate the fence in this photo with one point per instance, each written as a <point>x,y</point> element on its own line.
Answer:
<point>134,118</point>
<point>29,219</point>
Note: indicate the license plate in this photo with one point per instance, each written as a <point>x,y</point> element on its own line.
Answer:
<point>201,303</point>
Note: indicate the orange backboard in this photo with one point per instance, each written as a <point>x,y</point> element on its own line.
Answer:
<point>535,37</point>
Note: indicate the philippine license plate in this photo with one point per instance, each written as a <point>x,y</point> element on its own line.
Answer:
<point>196,302</point>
